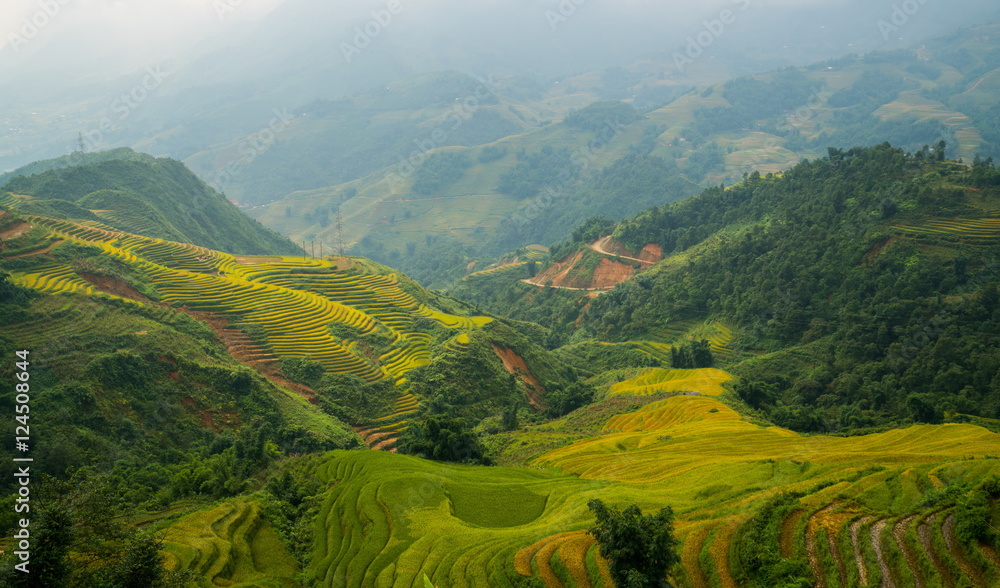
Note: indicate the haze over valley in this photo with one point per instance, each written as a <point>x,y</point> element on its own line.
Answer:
<point>561,293</point>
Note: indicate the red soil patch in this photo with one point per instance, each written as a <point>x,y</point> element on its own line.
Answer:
<point>114,286</point>
<point>514,364</point>
<point>558,273</point>
<point>611,247</point>
<point>14,230</point>
<point>378,440</point>
<point>651,253</point>
<point>248,352</point>
<point>610,273</point>
<point>606,275</point>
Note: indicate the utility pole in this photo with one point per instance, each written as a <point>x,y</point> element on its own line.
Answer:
<point>340,233</point>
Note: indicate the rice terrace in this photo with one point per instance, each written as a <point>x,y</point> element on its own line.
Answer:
<point>874,509</point>
<point>491,306</point>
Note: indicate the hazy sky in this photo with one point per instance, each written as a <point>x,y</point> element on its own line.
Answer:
<point>70,61</point>
<point>141,22</point>
<point>163,27</point>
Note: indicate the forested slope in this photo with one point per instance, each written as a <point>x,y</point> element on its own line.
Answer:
<point>141,194</point>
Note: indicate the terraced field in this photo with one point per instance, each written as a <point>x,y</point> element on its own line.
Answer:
<point>292,301</point>
<point>496,270</point>
<point>713,466</point>
<point>864,516</point>
<point>230,545</point>
<point>388,519</point>
<point>55,278</point>
<point>659,343</point>
<point>706,381</point>
<point>979,229</point>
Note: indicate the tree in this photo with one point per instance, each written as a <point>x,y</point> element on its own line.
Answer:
<point>697,354</point>
<point>52,537</point>
<point>443,438</point>
<point>141,565</point>
<point>640,549</point>
<point>923,410</point>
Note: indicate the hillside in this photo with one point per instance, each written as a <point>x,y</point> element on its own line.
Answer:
<point>140,194</point>
<point>601,158</point>
<point>170,372</point>
<point>440,294</point>
<point>851,284</point>
<point>757,505</point>
<point>202,391</point>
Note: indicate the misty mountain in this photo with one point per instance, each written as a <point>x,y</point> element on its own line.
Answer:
<point>220,78</point>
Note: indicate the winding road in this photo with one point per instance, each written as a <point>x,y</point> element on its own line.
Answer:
<point>597,246</point>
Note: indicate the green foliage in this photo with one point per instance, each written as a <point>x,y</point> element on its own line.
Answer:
<point>78,543</point>
<point>131,214</point>
<point>592,229</point>
<point>758,548</point>
<point>123,369</point>
<point>13,296</point>
<point>696,354</point>
<point>88,260</point>
<point>440,171</point>
<point>641,549</point>
<point>755,393</point>
<point>706,159</point>
<point>598,357</point>
<point>492,153</point>
<point>604,117</point>
<point>52,536</point>
<point>302,369</point>
<point>811,261</point>
<point>870,91</point>
<point>974,519</point>
<point>626,187</point>
<point>565,400</point>
<point>77,158</point>
<point>290,506</point>
<point>534,171</point>
<point>472,383</point>
<point>351,399</point>
<point>181,200</point>
<point>443,438</point>
<point>554,311</point>
<point>923,410</point>
<point>753,100</point>
<point>57,209</point>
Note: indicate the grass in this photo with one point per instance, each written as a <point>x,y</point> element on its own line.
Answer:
<point>230,545</point>
<point>389,519</point>
<point>483,506</point>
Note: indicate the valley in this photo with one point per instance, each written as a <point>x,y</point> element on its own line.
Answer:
<point>564,314</point>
